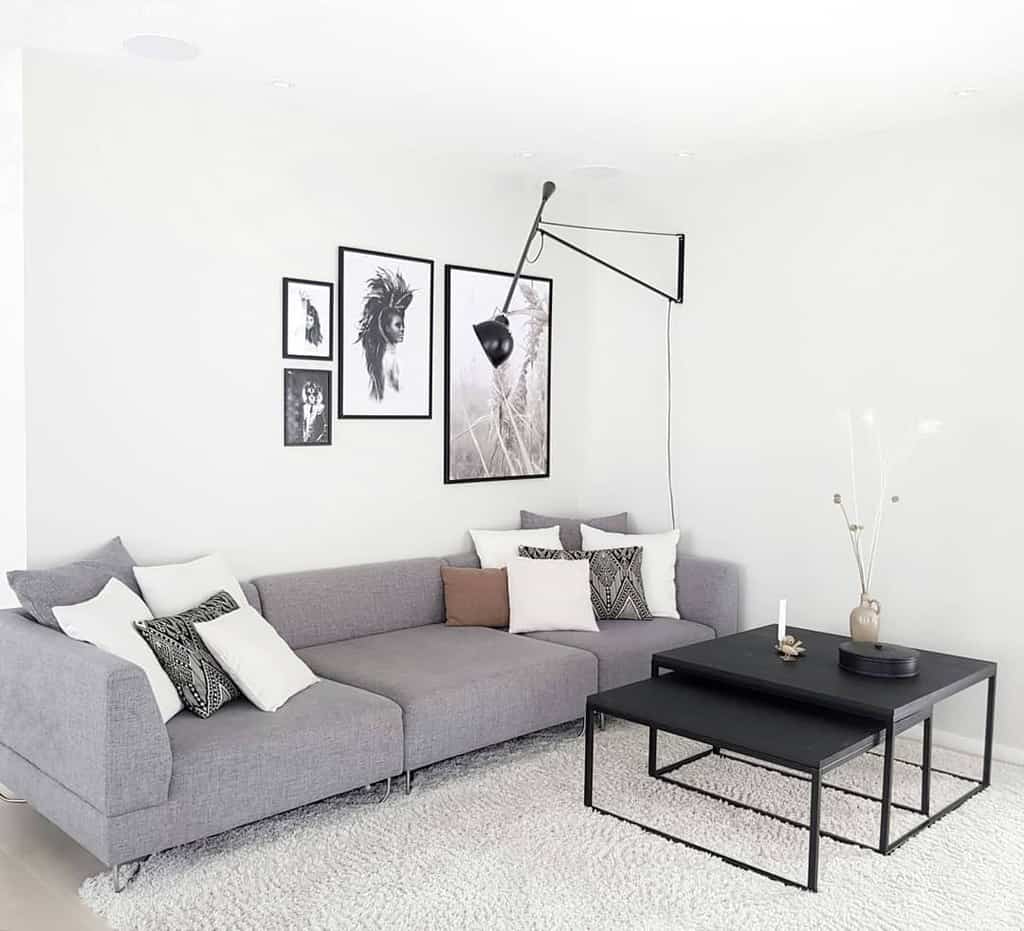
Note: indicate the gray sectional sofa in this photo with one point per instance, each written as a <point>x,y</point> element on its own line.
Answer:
<point>82,740</point>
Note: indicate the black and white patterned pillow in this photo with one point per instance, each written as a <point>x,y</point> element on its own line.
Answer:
<point>616,587</point>
<point>200,680</point>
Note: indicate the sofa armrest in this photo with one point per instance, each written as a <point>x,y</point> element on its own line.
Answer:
<point>708,591</point>
<point>86,718</point>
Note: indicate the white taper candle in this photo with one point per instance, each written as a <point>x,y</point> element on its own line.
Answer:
<point>782,619</point>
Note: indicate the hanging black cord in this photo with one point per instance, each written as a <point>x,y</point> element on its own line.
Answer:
<point>668,421</point>
<point>668,322</point>
<point>607,229</point>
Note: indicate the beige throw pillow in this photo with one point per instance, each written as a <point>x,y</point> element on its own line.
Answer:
<point>475,597</point>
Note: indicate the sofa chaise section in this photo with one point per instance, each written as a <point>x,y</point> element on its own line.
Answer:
<point>81,739</point>
<point>243,764</point>
<point>86,718</point>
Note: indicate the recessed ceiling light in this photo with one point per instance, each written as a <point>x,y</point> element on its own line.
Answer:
<point>684,155</point>
<point>284,85</point>
<point>161,48</point>
<point>526,154</point>
<point>965,92</point>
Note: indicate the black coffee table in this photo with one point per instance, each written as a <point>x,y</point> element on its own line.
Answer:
<point>747,660</point>
<point>810,716</point>
<point>775,730</point>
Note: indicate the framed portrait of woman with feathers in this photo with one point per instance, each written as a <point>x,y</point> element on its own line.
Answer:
<point>385,335</point>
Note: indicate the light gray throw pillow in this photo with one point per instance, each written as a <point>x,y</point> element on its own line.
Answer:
<point>39,590</point>
<point>569,527</point>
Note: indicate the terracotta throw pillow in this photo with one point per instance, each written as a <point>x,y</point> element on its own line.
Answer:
<point>475,597</point>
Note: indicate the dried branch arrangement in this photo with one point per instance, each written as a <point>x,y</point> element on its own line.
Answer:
<point>865,553</point>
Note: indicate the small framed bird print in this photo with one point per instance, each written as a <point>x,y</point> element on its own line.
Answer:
<point>308,319</point>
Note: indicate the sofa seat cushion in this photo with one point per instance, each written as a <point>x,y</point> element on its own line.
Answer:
<point>624,648</point>
<point>243,764</point>
<point>462,688</point>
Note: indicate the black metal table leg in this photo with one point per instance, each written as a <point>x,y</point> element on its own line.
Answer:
<point>990,715</point>
<point>883,835</point>
<point>652,751</point>
<point>588,758</point>
<point>815,836</point>
<point>926,768</point>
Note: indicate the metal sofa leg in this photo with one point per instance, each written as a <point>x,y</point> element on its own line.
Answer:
<point>600,720</point>
<point>408,781</point>
<point>132,870</point>
<point>387,791</point>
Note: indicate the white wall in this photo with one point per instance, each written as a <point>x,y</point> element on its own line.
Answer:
<point>12,324</point>
<point>160,220</point>
<point>884,273</point>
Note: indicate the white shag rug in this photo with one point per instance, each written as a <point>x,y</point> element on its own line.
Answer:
<point>500,839</point>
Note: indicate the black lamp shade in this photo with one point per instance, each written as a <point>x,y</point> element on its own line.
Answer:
<point>495,338</point>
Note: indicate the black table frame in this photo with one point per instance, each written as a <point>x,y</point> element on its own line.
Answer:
<point>815,775</point>
<point>887,734</point>
<point>920,713</point>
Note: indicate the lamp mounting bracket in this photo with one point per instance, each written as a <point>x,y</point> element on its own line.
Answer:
<point>676,298</point>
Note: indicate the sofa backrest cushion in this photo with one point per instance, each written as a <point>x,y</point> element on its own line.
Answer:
<point>326,605</point>
<point>463,560</point>
<point>252,595</point>
<point>569,527</point>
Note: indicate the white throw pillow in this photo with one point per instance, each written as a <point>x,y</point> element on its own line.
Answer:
<point>107,621</point>
<point>497,548</point>
<point>175,588</point>
<point>262,665</point>
<point>549,594</point>
<point>657,568</point>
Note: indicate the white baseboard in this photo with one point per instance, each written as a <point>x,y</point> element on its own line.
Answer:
<point>973,746</point>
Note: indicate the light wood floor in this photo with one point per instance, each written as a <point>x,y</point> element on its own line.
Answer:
<point>41,869</point>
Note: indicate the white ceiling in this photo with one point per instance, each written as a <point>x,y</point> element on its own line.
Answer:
<point>586,80</point>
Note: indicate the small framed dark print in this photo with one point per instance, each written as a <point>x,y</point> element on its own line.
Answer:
<point>307,319</point>
<point>385,335</point>
<point>307,407</point>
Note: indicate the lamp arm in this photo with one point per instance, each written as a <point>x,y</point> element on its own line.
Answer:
<point>548,190</point>
<point>676,298</point>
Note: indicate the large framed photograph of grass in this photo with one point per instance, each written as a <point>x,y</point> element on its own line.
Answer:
<point>497,376</point>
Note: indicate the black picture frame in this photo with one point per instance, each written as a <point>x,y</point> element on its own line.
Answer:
<point>323,376</point>
<point>507,278</point>
<point>285,354</point>
<point>394,257</point>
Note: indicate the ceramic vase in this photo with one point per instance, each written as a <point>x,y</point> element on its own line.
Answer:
<point>864,620</point>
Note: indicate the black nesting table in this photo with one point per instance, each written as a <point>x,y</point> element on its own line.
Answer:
<point>809,716</point>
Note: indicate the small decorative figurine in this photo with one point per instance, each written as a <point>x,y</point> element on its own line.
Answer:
<point>790,649</point>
